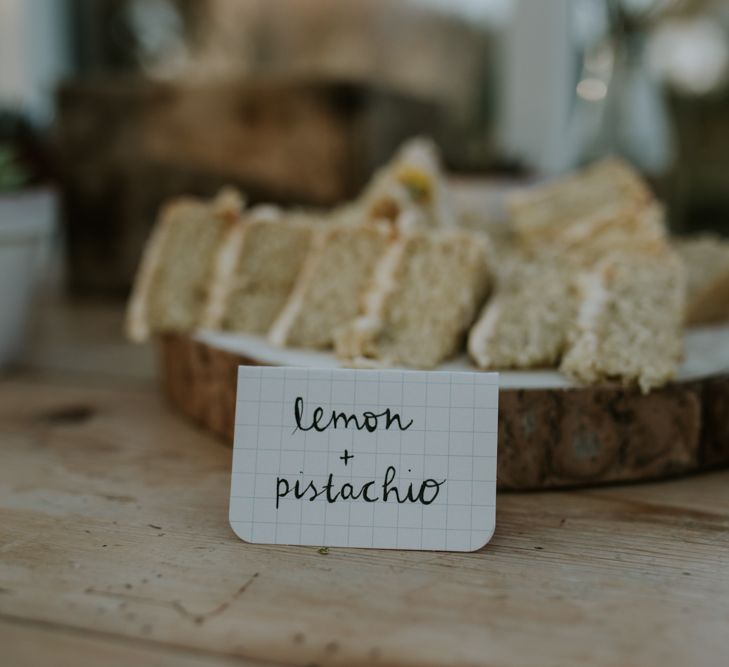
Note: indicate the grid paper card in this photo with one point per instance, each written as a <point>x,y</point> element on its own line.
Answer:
<point>383,459</point>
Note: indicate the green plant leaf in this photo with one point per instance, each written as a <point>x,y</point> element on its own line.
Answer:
<point>12,175</point>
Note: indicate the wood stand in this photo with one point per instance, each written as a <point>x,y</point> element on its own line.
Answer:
<point>548,438</point>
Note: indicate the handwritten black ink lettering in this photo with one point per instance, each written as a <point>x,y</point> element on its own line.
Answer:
<point>386,490</point>
<point>280,495</point>
<point>369,421</point>
<point>366,494</point>
<point>331,492</point>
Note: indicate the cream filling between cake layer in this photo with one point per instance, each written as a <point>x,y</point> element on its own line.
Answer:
<point>595,298</point>
<point>279,331</point>
<point>355,336</point>
<point>226,263</point>
<point>482,332</point>
<point>225,266</point>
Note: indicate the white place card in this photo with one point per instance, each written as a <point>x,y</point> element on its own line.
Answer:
<point>365,458</point>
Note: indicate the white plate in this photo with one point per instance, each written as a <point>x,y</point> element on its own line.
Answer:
<point>706,353</point>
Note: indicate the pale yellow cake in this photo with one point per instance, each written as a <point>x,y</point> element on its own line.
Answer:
<point>425,294</point>
<point>601,208</point>
<point>256,269</point>
<point>707,269</point>
<point>171,287</point>
<point>540,212</point>
<point>630,319</point>
<point>411,190</point>
<point>637,230</point>
<point>575,232</point>
<point>331,285</point>
<point>526,321</point>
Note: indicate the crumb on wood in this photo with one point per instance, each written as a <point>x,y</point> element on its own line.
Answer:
<point>323,550</point>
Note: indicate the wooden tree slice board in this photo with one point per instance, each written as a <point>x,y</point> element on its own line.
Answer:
<point>552,434</point>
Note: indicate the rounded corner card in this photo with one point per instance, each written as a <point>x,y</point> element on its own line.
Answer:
<point>384,459</point>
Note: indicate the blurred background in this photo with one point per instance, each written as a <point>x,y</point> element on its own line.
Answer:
<point>109,107</point>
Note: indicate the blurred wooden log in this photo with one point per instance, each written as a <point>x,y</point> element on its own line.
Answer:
<point>124,146</point>
<point>548,438</point>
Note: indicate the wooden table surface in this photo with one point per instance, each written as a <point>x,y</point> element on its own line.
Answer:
<point>115,549</point>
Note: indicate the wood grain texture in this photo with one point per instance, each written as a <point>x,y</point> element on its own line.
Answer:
<point>33,643</point>
<point>548,438</point>
<point>115,544</point>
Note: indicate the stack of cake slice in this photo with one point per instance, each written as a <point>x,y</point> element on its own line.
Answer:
<point>171,288</point>
<point>602,227</point>
<point>282,273</point>
<point>408,193</point>
<point>559,227</point>
<point>425,294</point>
<point>587,281</point>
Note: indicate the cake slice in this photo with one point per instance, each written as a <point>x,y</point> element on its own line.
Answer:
<point>331,284</point>
<point>526,322</point>
<point>637,230</point>
<point>540,212</point>
<point>171,287</point>
<point>425,293</point>
<point>629,324</point>
<point>256,269</point>
<point>604,207</point>
<point>412,182</point>
<point>707,278</point>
